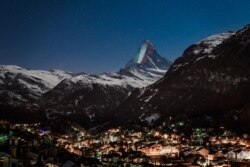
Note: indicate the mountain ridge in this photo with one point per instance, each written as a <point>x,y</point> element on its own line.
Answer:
<point>93,97</point>
<point>207,86</point>
<point>79,96</point>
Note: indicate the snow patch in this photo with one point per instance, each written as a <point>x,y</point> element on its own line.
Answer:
<point>152,117</point>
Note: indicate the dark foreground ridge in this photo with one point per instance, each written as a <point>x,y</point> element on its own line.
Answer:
<point>208,86</point>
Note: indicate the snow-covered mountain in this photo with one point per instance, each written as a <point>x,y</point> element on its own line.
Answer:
<point>201,50</point>
<point>19,85</point>
<point>147,65</point>
<point>144,69</point>
<point>207,86</point>
<point>78,96</point>
<point>92,97</point>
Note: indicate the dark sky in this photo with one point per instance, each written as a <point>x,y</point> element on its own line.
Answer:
<point>102,35</point>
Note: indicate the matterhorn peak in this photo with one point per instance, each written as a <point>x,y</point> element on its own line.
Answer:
<point>148,58</point>
<point>147,62</point>
<point>146,50</point>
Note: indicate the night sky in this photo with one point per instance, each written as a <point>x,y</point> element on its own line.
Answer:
<point>97,36</point>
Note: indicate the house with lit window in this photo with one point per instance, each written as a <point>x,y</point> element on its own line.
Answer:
<point>158,149</point>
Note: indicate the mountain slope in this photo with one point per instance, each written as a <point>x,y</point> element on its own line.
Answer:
<point>89,99</point>
<point>20,85</point>
<point>20,89</point>
<point>207,86</point>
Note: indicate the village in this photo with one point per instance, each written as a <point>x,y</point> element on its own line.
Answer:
<point>33,145</point>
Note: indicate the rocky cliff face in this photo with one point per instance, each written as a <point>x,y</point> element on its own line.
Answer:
<point>147,64</point>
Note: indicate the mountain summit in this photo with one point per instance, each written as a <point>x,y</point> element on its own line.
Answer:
<point>148,57</point>
<point>145,51</point>
<point>147,63</point>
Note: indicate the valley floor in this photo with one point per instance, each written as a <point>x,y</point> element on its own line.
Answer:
<point>38,145</point>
